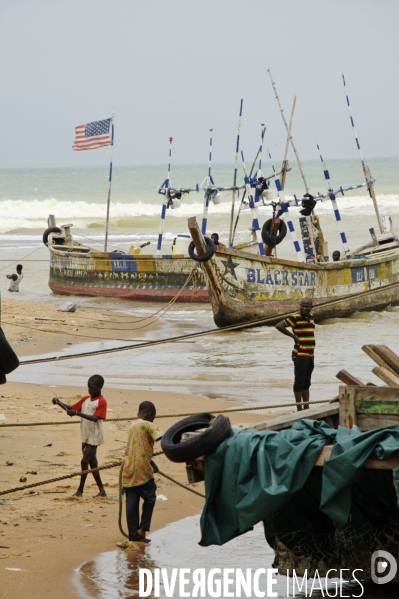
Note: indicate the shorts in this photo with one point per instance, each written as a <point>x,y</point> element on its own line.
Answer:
<point>84,446</point>
<point>303,368</point>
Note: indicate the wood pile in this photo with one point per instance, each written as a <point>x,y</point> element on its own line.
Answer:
<point>387,368</point>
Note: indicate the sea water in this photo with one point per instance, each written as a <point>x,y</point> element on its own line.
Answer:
<point>251,367</point>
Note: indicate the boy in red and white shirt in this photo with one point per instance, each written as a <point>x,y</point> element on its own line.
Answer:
<point>92,410</point>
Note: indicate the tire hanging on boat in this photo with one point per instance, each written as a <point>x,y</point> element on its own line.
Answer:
<point>273,239</point>
<point>198,445</point>
<point>47,233</point>
<point>204,257</point>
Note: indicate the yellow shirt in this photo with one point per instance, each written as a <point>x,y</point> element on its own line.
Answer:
<point>137,469</point>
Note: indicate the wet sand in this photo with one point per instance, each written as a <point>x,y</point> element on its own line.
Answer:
<point>46,533</point>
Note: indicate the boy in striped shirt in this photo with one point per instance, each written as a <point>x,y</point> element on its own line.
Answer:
<point>302,325</point>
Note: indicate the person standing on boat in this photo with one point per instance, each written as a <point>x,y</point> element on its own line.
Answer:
<point>15,278</point>
<point>302,325</point>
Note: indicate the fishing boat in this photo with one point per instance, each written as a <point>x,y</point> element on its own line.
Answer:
<point>259,287</point>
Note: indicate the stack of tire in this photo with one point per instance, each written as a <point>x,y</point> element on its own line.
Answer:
<point>8,358</point>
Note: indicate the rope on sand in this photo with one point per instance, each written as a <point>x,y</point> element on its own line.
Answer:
<point>181,415</point>
<point>105,467</point>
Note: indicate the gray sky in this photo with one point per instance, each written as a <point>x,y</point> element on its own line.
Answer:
<point>179,67</point>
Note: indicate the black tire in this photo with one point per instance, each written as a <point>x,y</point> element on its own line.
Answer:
<point>199,445</point>
<point>8,358</point>
<point>273,240</point>
<point>3,378</point>
<point>204,257</point>
<point>47,233</point>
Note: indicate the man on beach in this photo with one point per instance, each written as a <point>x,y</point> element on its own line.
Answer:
<point>92,409</point>
<point>15,279</point>
<point>302,325</point>
<point>138,472</point>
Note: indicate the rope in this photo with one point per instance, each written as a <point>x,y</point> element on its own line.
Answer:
<point>20,259</point>
<point>180,415</point>
<point>180,338</point>
<point>164,309</point>
<point>72,475</point>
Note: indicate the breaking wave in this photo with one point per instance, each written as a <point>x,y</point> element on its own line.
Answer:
<point>20,215</point>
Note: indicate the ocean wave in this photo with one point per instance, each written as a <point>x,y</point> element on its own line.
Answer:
<point>19,215</point>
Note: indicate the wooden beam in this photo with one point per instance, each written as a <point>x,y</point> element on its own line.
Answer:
<point>347,410</point>
<point>287,420</point>
<point>347,378</point>
<point>380,393</point>
<point>371,352</point>
<point>325,454</point>
<point>386,375</point>
<point>389,357</point>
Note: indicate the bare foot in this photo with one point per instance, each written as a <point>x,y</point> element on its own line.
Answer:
<point>78,494</point>
<point>101,494</point>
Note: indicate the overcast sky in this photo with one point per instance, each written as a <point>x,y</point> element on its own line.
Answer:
<point>179,67</point>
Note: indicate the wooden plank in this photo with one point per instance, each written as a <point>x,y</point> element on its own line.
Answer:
<point>370,351</point>
<point>368,422</point>
<point>347,410</point>
<point>348,378</point>
<point>390,358</point>
<point>325,454</point>
<point>286,421</point>
<point>375,392</point>
<point>377,406</point>
<point>386,375</point>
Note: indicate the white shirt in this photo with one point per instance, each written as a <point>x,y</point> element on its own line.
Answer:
<point>92,432</point>
<point>14,285</point>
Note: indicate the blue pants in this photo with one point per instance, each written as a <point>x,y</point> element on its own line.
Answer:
<point>147,492</point>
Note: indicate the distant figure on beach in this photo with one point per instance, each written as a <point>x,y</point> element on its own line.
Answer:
<point>138,472</point>
<point>92,409</point>
<point>336,256</point>
<point>16,278</point>
<point>215,239</point>
<point>302,324</point>
<point>174,246</point>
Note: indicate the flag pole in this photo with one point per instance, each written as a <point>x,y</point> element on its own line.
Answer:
<point>109,180</point>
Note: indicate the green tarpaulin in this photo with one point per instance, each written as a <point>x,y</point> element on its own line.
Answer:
<point>254,474</point>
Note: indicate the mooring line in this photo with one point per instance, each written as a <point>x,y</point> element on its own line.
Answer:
<point>180,415</point>
<point>180,338</point>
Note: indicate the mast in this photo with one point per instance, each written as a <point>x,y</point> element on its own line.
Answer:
<point>166,186</point>
<point>337,215</point>
<point>109,181</point>
<point>231,234</point>
<point>284,166</point>
<point>366,169</point>
<point>208,181</point>
<point>289,132</point>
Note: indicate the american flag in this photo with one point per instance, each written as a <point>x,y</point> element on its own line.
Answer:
<point>93,135</point>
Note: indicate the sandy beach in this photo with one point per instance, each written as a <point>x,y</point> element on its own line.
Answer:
<point>45,533</point>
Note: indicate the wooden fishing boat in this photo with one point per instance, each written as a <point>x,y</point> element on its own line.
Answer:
<point>245,287</point>
<point>77,269</point>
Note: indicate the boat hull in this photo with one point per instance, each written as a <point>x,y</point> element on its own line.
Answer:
<point>246,288</point>
<point>139,277</point>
